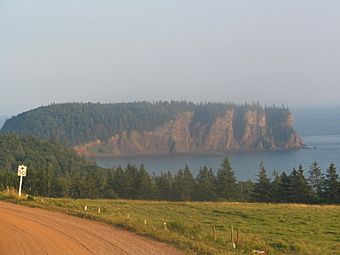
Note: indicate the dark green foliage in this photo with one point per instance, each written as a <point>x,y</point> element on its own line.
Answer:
<point>50,165</point>
<point>78,123</point>
<point>275,187</point>
<point>262,187</point>
<point>284,191</point>
<point>146,187</point>
<point>331,192</point>
<point>164,184</point>
<point>316,180</point>
<point>226,186</point>
<point>245,190</point>
<point>184,185</point>
<point>56,171</point>
<point>205,185</point>
<point>300,190</point>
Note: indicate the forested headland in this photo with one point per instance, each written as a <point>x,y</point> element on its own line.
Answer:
<point>57,171</point>
<point>144,128</point>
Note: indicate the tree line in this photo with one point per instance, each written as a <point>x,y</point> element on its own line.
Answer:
<point>77,123</point>
<point>134,182</point>
<point>57,171</point>
<point>317,187</point>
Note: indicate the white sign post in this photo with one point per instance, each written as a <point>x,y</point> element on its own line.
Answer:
<point>22,170</point>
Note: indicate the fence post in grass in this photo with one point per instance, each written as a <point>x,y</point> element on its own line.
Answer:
<point>214,233</point>
<point>232,236</point>
<point>98,209</point>
<point>231,233</point>
<point>237,237</point>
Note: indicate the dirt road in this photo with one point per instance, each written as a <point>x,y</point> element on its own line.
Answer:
<point>25,230</point>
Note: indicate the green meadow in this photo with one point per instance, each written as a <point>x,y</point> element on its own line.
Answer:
<point>205,227</point>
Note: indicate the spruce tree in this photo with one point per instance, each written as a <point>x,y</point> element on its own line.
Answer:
<point>164,184</point>
<point>262,188</point>
<point>145,187</point>
<point>300,191</point>
<point>109,188</point>
<point>316,180</point>
<point>245,190</point>
<point>275,187</point>
<point>119,185</point>
<point>184,185</point>
<point>331,185</point>
<point>205,188</point>
<point>226,186</point>
<point>131,181</point>
<point>285,191</point>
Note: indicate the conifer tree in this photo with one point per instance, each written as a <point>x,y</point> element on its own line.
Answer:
<point>131,181</point>
<point>316,180</point>
<point>226,181</point>
<point>184,185</point>
<point>331,185</point>
<point>119,182</point>
<point>285,191</point>
<point>245,190</point>
<point>262,188</point>
<point>145,187</point>
<point>109,188</point>
<point>164,184</point>
<point>300,191</point>
<point>275,187</point>
<point>205,188</point>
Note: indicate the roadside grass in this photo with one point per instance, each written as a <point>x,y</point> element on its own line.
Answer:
<point>204,227</point>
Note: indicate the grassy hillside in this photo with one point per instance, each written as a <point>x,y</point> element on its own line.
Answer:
<point>274,228</point>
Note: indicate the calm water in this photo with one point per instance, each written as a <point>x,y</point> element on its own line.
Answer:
<point>319,126</point>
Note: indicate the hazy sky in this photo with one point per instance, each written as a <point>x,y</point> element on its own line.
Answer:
<point>111,51</point>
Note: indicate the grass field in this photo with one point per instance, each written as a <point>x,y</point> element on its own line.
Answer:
<point>204,228</point>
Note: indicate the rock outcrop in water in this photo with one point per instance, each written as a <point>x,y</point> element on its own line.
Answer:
<point>160,128</point>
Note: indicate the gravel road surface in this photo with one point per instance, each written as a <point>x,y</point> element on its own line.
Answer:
<point>25,230</point>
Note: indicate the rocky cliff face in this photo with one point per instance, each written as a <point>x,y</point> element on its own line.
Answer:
<point>183,135</point>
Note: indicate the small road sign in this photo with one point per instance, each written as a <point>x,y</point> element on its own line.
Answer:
<point>22,170</point>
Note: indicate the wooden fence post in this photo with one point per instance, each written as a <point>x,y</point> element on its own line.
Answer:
<point>237,237</point>
<point>231,234</point>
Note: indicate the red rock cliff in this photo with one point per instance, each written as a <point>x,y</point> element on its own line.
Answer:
<point>182,136</point>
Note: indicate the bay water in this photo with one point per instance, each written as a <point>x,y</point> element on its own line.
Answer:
<point>319,126</point>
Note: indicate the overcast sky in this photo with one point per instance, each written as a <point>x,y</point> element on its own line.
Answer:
<point>112,51</point>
